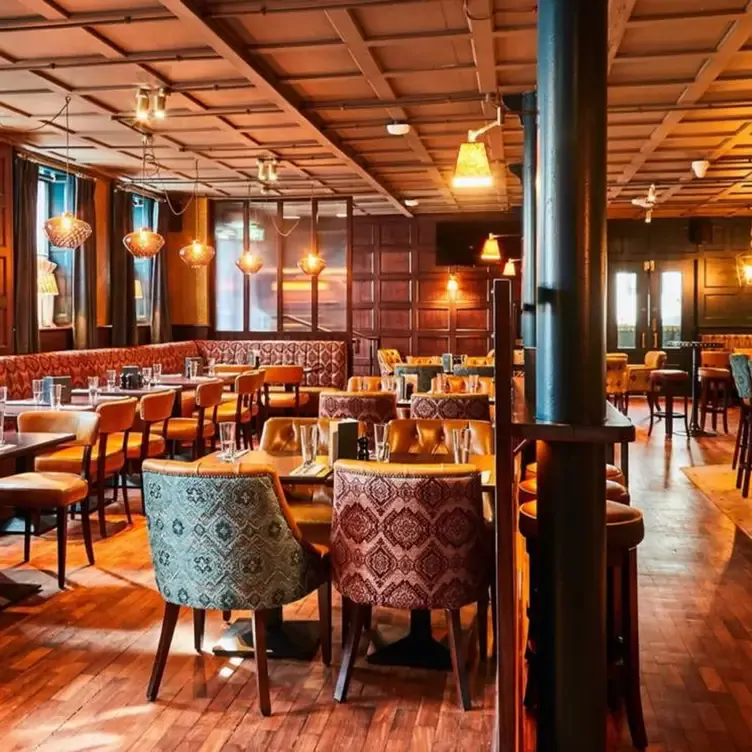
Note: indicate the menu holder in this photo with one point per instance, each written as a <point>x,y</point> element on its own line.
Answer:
<point>49,381</point>
<point>343,440</point>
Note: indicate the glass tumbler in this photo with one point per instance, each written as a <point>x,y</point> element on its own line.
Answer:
<point>380,440</point>
<point>309,439</point>
<point>56,396</point>
<point>112,379</point>
<point>36,391</point>
<point>227,440</point>
<point>93,389</point>
<point>461,445</point>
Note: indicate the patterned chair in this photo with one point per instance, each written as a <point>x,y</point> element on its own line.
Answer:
<point>387,360</point>
<point>223,537</point>
<point>639,374</point>
<point>366,407</point>
<point>450,406</point>
<point>617,380</point>
<point>408,537</point>
<point>742,461</point>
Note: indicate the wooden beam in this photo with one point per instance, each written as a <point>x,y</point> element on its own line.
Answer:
<point>619,12</point>
<point>221,41</point>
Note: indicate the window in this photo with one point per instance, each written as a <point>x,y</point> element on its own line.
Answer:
<point>144,215</point>
<point>262,234</point>
<point>671,308</point>
<point>296,228</point>
<point>331,230</point>
<point>228,244</point>
<point>54,265</point>
<point>626,310</point>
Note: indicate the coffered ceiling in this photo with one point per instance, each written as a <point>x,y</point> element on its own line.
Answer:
<point>315,82</point>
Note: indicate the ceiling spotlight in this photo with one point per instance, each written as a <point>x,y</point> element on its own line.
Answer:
<point>262,173</point>
<point>411,202</point>
<point>398,128</point>
<point>142,105</point>
<point>700,167</point>
<point>648,216</point>
<point>271,171</point>
<point>159,108</point>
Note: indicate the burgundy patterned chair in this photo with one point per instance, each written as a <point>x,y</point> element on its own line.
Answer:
<point>409,537</point>
<point>367,407</point>
<point>442,406</point>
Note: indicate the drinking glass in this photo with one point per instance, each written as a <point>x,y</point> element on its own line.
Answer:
<point>36,391</point>
<point>227,440</point>
<point>157,373</point>
<point>193,370</point>
<point>461,445</point>
<point>56,396</point>
<point>380,438</point>
<point>93,389</point>
<point>387,383</point>
<point>112,379</point>
<point>146,373</point>
<point>211,365</point>
<point>473,382</point>
<point>309,440</point>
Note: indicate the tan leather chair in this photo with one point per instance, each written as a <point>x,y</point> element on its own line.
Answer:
<point>411,436</point>
<point>639,374</point>
<point>243,407</point>
<point>364,384</point>
<point>290,379</point>
<point>424,360</point>
<point>461,385</point>
<point>387,359</point>
<point>195,430</point>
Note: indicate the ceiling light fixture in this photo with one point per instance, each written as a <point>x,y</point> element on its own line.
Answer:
<point>196,254</point>
<point>509,269</point>
<point>312,264</point>
<point>249,263</point>
<point>744,266</point>
<point>700,167</point>
<point>143,243</point>
<point>398,128</point>
<point>490,252</point>
<point>67,230</point>
<point>142,105</point>
<point>411,202</point>
<point>160,104</point>
<point>266,170</point>
<point>473,169</point>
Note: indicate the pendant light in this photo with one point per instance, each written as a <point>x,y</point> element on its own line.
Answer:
<point>143,243</point>
<point>249,263</point>
<point>473,170</point>
<point>197,255</point>
<point>67,230</point>
<point>312,264</point>
<point>490,252</point>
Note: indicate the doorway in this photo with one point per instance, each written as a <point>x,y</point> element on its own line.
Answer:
<point>652,307</point>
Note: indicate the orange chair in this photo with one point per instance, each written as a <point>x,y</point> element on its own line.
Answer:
<point>290,378</point>
<point>201,426</point>
<point>243,407</point>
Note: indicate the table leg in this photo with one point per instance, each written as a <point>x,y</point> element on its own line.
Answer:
<point>694,425</point>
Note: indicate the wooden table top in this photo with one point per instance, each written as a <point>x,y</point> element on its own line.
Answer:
<point>26,444</point>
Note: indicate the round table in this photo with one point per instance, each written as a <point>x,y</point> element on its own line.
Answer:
<point>696,346</point>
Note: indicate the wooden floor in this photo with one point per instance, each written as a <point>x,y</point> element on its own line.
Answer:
<point>74,665</point>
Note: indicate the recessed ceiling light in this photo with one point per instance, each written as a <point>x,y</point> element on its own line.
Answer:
<point>398,129</point>
<point>411,202</point>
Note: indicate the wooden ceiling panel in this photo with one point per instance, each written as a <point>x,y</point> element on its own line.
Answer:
<point>293,63</point>
<point>680,35</point>
<point>150,35</point>
<point>195,70</point>
<point>412,17</point>
<point>324,90</point>
<point>296,26</point>
<point>632,70</point>
<point>658,94</point>
<point>435,82</point>
<point>519,47</point>
<point>47,43</point>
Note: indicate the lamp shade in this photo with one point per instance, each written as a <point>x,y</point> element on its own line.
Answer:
<point>46,282</point>
<point>490,251</point>
<point>248,263</point>
<point>196,254</point>
<point>312,264</point>
<point>472,169</point>
<point>143,243</point>
<point>509,270</point>
<point>67,231</point>
<point>744,269</point>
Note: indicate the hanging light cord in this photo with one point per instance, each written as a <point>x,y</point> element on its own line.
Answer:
<point>52,120</point>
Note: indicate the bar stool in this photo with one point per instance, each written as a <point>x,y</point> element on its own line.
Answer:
<point>612,473</point>
<point>624,532</point>
<point>715,384</point>
<point>667,381</point>
<point>528,490</point>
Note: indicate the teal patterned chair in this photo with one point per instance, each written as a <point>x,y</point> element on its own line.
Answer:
<point>742,460</point>
<point>222,537</point>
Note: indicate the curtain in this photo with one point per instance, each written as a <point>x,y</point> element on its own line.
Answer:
<point>122,273</point>
<point>25,186</point>
<point>85,272</point>
<point>161,325</point>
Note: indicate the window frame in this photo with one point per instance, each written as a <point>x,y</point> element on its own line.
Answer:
<point>140,218</point>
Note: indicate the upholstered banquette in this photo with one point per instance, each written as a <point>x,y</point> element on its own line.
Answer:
<point>328,359</point>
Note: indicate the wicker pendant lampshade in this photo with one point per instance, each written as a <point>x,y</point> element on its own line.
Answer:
<point>249,263</point>
<point>143,243</point>
<point>197,255</point>
<point>67,231</point>
<point>312,264</point>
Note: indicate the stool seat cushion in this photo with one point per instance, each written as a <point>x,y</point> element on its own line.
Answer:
<point>707,372</point>
<point>624,524</point>
<point>612,473</point>
<point>528,491</point>
<point>669,374</point>
<point>42,489</point>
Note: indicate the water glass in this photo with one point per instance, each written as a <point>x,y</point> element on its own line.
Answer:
<point>193,370</point>
<point>227,440</point>
<point>309,441</point>
<point>147,374</point>
<point>157,373</point>
<point>211,364</point>
<point>387,383</point>
<point>112,378</point>
<point>380,439</point>
<point>461,445</point>
<point>36,391</point>
<point>56,396</point>
<point>93,389</point>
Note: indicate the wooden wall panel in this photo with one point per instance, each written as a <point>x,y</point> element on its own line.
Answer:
<point>6,250</point>
<point>102,245</point>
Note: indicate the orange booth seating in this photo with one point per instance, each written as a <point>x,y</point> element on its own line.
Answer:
<point>327,358</point>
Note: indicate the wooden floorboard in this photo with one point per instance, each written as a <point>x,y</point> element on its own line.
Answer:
<point>74,665</point>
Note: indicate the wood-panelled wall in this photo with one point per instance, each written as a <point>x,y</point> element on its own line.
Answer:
<point>400,295</point>
<point>713,243</point>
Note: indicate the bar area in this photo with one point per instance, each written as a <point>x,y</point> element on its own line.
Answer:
<point>375,375</point>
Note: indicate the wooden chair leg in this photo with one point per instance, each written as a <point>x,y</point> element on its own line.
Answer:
<point>726,388</point>
<point>100,509</point>
<point>86,530</point>
<point>651,405</point>
<point>126,503</point>
<point>199,619</point>
<point>62,545</point>
<point>262,668</point>
<point>632,697</point>
<point>325,621</point>
<point>686,415</point>
<point>458,658</point>
<point>737,444</point>
<point>482,619</point>
<point>170,619</point>
<point>349,654</point>
<point>27,536</point>
<point>743,438</point>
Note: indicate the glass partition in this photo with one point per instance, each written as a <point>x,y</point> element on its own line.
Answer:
<point>228,239</point>
<point>262,235</point>
<point>331,232</point>
<point>297,236</point>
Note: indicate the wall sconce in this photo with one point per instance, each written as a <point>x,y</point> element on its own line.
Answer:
<point>491,253</point>
<point>509,269</point>
<point>453,287</point>
<point>744,266</point>
<point>473,169</point>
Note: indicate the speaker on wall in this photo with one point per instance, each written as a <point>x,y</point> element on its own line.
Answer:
<point>700,231</point>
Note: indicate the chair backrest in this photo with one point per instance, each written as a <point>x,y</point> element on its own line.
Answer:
<point>424,360</point>
<point>249,382</point>
<point>283,375</point>
<point>223,537</point>
<point>461,385</point>
<point>231,369</point>
<point>482,360</point>
<point>364,384</point>
<point>655,359</point>
<point>84,424</point>
<point>366,407</point>
<point>209,394</point>
<point>281,435</point>
<point>715,358</point>
<point>387,360</point>
<point>742,376</point>
<point>409,536</point>
<point>412,436</point>
<point>117,416</point>
<point>157,407</point>
<point>450,406</point>
<point>743,351</point>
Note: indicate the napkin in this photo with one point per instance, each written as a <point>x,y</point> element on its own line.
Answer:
<point>312,471</point>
